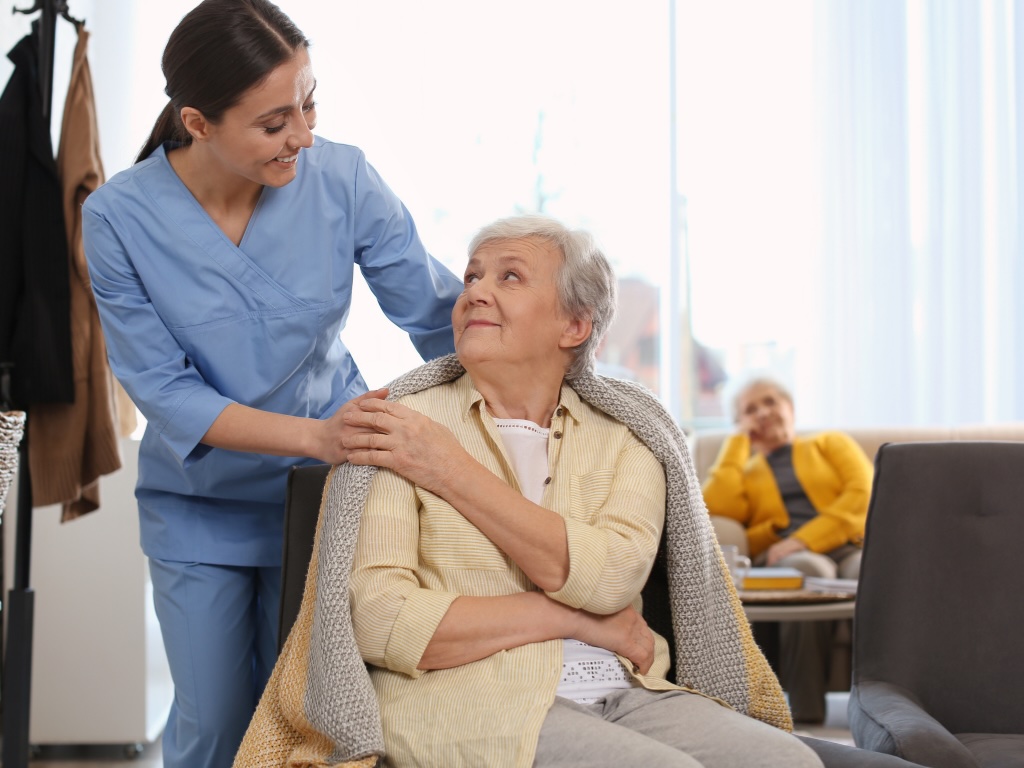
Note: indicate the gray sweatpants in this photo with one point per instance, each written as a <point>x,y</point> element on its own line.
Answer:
<point>637,727</point>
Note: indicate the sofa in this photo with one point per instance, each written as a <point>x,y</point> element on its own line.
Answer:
<point>705,445</point>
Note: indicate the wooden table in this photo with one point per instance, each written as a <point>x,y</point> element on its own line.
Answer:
<point>766,608</point>
<point>797,605</point>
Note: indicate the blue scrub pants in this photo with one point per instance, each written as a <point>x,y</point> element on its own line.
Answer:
<point>219,625</point>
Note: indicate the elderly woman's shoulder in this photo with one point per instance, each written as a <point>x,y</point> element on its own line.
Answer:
<point>440,392</point>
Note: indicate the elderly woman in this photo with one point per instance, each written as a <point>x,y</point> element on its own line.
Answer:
<point>802,502</point>
<point>502,550</point>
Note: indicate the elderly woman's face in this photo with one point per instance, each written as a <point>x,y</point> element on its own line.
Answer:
<point>767,416</point>
<point>509,310</point>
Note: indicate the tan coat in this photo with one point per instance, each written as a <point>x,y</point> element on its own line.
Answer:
<point>72,445</point>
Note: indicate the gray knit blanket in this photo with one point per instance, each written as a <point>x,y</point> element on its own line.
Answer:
<point>319,708</point>
<point>12,427</point>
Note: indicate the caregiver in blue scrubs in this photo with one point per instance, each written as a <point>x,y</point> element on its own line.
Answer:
<point>222,264</point>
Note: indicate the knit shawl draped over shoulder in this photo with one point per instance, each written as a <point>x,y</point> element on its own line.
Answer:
<point>319,708</point>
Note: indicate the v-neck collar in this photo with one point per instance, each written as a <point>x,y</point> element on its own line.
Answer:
<point>172,195</point>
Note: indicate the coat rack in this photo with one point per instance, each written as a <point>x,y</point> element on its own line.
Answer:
<point>20,604</point>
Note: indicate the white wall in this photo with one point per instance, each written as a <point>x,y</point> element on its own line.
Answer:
<point>99,673</point>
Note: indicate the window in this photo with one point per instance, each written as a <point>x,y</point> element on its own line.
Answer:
<point>823,191</point>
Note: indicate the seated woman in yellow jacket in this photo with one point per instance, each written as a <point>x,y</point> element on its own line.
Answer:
<point>802,502</point>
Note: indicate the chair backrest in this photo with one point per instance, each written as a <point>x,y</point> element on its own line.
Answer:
<point>939,603</point>
<point>302,509</point>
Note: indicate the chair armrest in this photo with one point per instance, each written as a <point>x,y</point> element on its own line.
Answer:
<point>888,718</point>
<point>835,755</point>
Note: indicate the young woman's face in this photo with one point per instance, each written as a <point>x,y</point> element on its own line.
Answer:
<point>261,136</point>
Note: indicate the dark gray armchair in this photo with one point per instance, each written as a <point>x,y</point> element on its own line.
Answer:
<point>938,647</point>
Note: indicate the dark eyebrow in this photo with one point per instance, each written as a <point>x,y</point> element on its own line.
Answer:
<point>286,108</point>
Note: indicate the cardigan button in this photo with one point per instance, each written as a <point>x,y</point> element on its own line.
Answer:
<point>547,481</point>
<point>558,435</point>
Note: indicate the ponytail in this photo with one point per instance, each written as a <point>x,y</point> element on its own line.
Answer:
<point>218,51</point>
<point>167,128</point>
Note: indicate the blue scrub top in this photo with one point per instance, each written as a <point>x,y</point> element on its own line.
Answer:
<point>193,323</point>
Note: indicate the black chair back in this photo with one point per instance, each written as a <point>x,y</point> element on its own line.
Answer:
<point>302,510</point>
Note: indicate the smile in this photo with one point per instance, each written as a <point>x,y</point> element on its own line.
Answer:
<point>289,159</point>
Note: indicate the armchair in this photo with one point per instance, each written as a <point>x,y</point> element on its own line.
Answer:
<point>937,670</point>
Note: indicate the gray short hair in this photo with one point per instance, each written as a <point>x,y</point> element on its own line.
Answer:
<point>585,280</point>
<point>760,381</point>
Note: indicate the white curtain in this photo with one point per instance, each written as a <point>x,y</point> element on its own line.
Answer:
<point>921,244</point>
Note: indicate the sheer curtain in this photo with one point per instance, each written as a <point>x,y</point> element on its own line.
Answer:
<point>921,248</point>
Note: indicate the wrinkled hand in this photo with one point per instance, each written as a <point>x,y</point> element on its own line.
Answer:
<point>415,446</point>
<point>332,432</point>
<point>782,549</point>
<point>625,633</point>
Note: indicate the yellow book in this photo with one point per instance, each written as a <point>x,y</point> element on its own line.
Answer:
<point>773,578</point>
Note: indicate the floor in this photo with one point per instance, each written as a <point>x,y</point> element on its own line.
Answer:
<point>113,756</point>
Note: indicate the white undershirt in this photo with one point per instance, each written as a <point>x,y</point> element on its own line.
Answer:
<point>588,673</point>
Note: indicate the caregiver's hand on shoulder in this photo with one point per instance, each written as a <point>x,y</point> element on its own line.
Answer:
<point>397,437</point>
<point>330,433</point>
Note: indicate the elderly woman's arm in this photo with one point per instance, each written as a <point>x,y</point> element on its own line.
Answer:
<point>405,626</point>
<point>598,562</point>
<point>724,491</point>
<point>476,627</point>
<point>841,516</point>
<point>425,452</point>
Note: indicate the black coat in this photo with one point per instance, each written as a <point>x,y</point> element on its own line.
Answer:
<point>35,324</point>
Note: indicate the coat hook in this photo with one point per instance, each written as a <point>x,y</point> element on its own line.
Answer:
<point>62,9</point>
<point>59,7</point>
<point>37,7</point>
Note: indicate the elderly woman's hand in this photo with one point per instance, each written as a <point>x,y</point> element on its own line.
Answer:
<point>413,445</point>
<point>330,434</point>
<point>625,633</point>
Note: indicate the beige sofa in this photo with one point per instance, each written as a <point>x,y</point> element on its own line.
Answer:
<point>704,446</point>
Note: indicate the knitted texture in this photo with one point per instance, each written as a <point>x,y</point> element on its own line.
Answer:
<point>12,427</point>
<point>319,707</point>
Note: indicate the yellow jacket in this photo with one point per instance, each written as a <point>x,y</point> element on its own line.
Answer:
<point>831,467</point>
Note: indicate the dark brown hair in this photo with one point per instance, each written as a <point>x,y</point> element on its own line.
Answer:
<point>218,51</point>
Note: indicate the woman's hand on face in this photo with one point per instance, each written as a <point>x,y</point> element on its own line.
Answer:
<point>748,426</point>
<point>332,432</point>
<point>389,434</point>
<point>625,633</point>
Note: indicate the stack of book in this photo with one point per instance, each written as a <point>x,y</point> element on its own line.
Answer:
<point>773,578</point>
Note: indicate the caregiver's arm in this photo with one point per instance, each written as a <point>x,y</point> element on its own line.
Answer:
<point>241,428</point>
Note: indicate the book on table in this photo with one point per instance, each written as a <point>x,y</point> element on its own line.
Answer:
<point>773,578</point>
